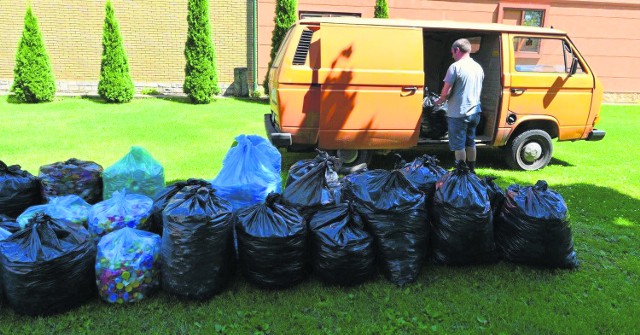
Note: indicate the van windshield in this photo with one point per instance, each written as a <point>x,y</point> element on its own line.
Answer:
<point>278,59</point>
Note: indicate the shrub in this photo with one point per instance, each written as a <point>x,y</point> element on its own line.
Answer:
<point>381,10</point>
<point>201,74</point>
<point>33,78</point>
<point>150,91</point>
<point>286,15</point>
<point>115,80</point>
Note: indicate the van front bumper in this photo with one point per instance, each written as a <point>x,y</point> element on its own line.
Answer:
<point>596,135</point>
<point>276,138</point>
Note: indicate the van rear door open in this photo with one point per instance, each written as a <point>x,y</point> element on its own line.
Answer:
<point>371,87</point>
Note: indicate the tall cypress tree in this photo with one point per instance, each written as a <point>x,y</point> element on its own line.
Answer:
<point>33,78</point>
<point>201,74</point>
<point>381,10</point>
<point>115,83</point>
<point>286,16</point>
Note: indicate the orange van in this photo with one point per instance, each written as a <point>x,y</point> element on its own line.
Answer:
<point>356,86</point>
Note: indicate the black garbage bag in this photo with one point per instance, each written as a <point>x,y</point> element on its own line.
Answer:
<point>341,249</point>
<point>162,198</point>
<point>496,195</point>
<point>533,227</point>
<point>423,172</point>
<point>19,190</point>
<point>4,234</point>
<point>434,117</point>
<point>9,224</point>
<point>463,227</point>
<point>302,167</point>
<point>74,176</point>
<point>395,212</point>
<point>272,244</point>
<point>48,267</point>
<point>197,246</point>
<point>319,186</point>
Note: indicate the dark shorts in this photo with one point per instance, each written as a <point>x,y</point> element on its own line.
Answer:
<point>462,131</point>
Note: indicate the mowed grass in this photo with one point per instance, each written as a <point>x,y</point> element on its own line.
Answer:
<point>600,182</point>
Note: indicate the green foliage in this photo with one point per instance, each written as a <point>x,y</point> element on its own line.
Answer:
<point>286,16</point>
<point>598,180</point>
<point>381,10</point>
<point>33,79</point>
<point>149,91</point>
<point>201,74</point>
<point>115,80</point>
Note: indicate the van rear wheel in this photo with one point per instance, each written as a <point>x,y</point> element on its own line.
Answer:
<point>351,158</point>
<point>530,150</point>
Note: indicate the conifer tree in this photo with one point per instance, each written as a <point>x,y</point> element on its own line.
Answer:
<point>201,74</point>
<point>286,16</point>
<point>33,79</point>
<point>382,10</point>
<point>115,83</point>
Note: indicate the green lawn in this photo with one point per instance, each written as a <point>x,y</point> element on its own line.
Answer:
<point>600,182</point>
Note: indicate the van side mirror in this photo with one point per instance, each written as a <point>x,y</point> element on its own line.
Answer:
<point>574,66</point>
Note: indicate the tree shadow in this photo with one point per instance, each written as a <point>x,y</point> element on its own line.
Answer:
<point>259,101</point>
<point>95,99</point>
<point>177,99</point>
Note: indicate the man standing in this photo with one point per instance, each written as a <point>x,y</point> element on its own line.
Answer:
<point>462,88</point>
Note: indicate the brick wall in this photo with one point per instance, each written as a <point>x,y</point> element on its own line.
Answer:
<point>154,33</point>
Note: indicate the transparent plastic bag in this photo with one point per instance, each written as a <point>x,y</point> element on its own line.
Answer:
<point>69,208</point>
<point>137,172</point>
<point>74,176</point>
<point>121,210</point>
<point>128,265</point>
<point>250,171</point>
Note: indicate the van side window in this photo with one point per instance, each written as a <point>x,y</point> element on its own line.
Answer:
<point>551,55</point>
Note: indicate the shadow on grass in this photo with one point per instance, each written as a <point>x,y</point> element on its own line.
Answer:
<point>176,99</point>
<point>94,99</point>
<point>264,102</point>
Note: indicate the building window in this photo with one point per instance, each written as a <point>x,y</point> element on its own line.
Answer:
<point>523,15</point>
<point>309,14</point>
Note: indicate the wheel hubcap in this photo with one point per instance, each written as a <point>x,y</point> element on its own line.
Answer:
<point>347,156</point>
<point>531,152</point>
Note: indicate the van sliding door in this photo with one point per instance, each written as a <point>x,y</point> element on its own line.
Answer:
<point>371,87</point>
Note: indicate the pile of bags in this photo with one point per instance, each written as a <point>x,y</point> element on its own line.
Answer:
<point>123,234</point>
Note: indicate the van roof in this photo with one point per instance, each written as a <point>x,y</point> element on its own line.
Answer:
<point>454,25</point>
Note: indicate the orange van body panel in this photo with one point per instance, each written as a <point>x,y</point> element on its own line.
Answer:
<point>361,85</point>
<point>343,97</point>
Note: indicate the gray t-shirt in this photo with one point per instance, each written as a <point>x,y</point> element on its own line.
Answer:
<point>465,77</point>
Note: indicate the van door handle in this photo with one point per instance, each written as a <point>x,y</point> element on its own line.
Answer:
<point>517,91</point>
<point>407,91</point>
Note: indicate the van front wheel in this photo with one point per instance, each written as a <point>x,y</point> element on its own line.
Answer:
<point>530,150</point>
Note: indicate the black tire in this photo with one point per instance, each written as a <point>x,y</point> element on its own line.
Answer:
<point>531,150</point>
<point>351,158</point>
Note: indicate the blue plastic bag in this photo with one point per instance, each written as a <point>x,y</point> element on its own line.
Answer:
<point>250,171</point>
<point>69,208</point>
<point>137,172</point>
<point>121,210</point>
<point>128,265</point>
